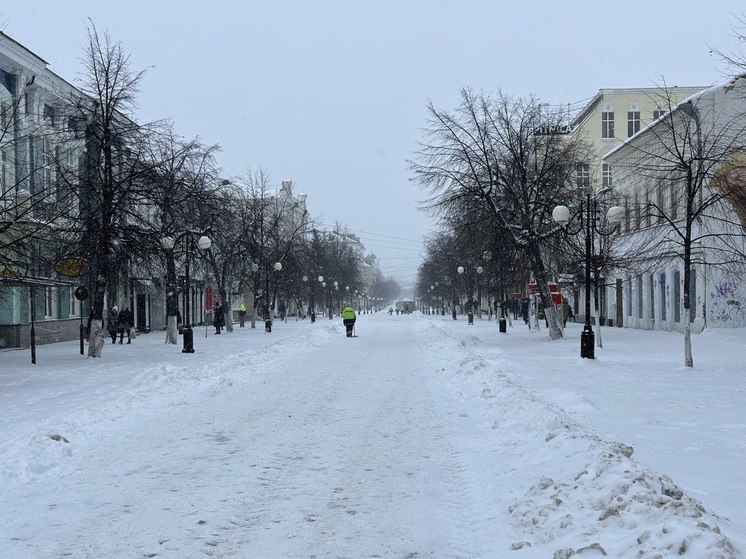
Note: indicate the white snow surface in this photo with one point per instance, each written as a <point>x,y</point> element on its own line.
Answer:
<point>422,437</point>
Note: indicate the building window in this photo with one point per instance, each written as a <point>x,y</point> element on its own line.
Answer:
<point>3,170</point>
<point>583,175</point>
<point>49,169</point>
<point>692,295</point>
<point>629,297</point>
<point>660,204</point>
<point>627,215</point>
<point>638,213</point>
<point>658,113</point>
<point>49,114</point>
<point>663,296</point>
<point>651,284</point>
<point>49,302</point>
<point>677,296</point>
<point>73,302</point>
<point>607,124</point>
<point>633,123</point>
<point>29,103</point>
<point>639,297</point>
<point>606,175</point>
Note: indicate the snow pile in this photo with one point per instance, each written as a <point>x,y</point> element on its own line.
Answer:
<point>587,496</point>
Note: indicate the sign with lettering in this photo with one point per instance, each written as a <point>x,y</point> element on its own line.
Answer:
<point>72,267</point>
<point>554,130</point>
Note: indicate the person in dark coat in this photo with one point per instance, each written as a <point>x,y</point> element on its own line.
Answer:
<point>218,321</point>
<point>126,320</point>
<point>113,325</point>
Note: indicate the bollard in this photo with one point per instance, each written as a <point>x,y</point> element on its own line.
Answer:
<point>188,334</point>
<point>267,325</point>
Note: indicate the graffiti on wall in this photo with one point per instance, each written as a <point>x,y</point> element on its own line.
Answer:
<point>727,307</point>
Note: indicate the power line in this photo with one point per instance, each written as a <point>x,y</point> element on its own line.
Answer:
<point>403,239</point>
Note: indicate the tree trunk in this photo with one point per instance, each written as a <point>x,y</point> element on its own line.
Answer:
<point>96,334</point>
<point>542,282</point>
<point>688,359</point>
<point>172,331</point>
<point>172,306</point>
<point>227,312</point>
<point>96,339</point>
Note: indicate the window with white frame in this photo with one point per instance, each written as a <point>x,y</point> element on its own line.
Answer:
<point>74,303</point>
<point>629,296</point>
<point>661,203</point>
<point>607,123</point>
<point>49,114</point>
<point>4,171</point>
<point>583,175</point>
<point>674,202</point>
<point>633,120</point>
<point>49,302</point>
<point>638,212</point>
<point>49,169</point>
<point>606,175</point>
<point>651,286</point>
<point>657,113</point>
<point>640,296</point>
<point>627,214</point>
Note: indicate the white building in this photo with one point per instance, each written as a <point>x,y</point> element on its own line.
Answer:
<point>37,145</point>
<point>707,133</point>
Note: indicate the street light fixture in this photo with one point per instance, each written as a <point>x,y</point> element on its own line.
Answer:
<point>587,217</point>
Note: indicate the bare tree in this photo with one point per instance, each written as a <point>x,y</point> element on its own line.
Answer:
<point>263,232</point>
<point>493,150</point>
<point>183,178</point>
<point>111,180</point>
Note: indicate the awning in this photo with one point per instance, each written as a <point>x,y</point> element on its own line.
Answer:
<point>142,285</point>
<point>31,281</point>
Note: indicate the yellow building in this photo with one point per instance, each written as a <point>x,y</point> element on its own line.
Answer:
<point>612,116</point>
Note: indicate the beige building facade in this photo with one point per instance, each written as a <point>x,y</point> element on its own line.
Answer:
<point>610,118</point>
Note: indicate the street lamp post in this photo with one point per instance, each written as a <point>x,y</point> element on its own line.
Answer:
<point>587,216</point>
<point>311,309</point>
<point>277,267</point>
<point>321,282</point>
<point>335,292</point>
<point>203,243</point>
<point>470,301</point>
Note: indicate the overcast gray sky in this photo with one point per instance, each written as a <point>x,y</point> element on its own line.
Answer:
<point>332,93</point>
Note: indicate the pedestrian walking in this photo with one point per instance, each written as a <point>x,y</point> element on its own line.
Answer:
<point>348,319</point>
<point>126,321</point>
<point>241,315</point>
<point>218,321</point>
<point>113,324</point>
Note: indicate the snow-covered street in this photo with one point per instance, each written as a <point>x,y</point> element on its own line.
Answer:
<point>423,437</point>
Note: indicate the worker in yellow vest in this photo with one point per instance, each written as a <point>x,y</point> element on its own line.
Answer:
<point>348,319</point>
